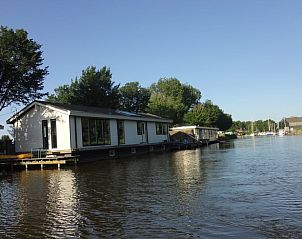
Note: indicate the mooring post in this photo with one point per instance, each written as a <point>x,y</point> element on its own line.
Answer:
<point>41,166</point>
<point>58,166</point>
<point>26,166</point>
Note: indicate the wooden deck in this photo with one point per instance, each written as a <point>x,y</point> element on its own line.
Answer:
<point>26,162</point>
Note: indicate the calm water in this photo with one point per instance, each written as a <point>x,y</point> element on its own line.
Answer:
<point>249,188</point>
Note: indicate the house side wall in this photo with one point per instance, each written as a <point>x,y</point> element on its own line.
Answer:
<point>153,137</point>
<point>113,132</point>
<point>130,131</point>
<point>131,136</point>
<point>28,129</point>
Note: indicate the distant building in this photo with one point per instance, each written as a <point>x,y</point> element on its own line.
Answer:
<point>294,123</point>
<point>1,126</point>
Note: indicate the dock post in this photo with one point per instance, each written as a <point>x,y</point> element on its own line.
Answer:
<point>26,167</point>
<point>58,166</point>
<point>41,166</point>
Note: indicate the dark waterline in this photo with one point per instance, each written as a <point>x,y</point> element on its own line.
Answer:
<point>248,188</point>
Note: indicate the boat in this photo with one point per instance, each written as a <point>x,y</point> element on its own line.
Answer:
<point>252,129</point>
<point>281,132</point>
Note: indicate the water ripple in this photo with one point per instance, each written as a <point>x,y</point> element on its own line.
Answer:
<point>249,188</point>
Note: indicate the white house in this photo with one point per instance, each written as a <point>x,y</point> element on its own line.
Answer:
<point>64,127</point>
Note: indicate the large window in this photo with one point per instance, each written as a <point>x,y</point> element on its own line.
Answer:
<point>95,131</point>
<point>161,129</point>
<point>121,132</point>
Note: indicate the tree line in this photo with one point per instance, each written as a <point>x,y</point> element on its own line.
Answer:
<point>22,78</point>
<point>254,126</point>
<point>168,98</point>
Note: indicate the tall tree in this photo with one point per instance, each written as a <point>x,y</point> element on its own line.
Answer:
<point>209,115</point>
<point>133,97</point>
<point>172,99</point>
<point>93,88</point>
<point>21,72</point>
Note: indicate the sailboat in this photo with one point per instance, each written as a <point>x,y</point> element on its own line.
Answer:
<point>270,132</point>
<point>252,129</point>
<point>281,132</point>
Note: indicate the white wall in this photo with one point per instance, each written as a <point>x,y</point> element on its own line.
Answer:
<point>153,137</point>
<point>113,132</point>
<point>131,136</point>
<point>28,129</point>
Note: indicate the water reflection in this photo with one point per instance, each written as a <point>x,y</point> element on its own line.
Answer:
<point>38,203</point>
<point>62,204</point>
<point>248,188</point>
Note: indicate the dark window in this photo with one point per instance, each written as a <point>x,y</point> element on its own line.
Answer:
<point>121,132</point>
<point>140,128</point>
<point>106,130</point>
<point>92,132</point>
<point>100,132</point>
<point>85,131</point>
<point>95,131</point>
<point>161,129</point>
<point>45,134</point>
<point>53,132</point>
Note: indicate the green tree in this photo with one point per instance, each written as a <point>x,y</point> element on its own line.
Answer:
<point>167,107</point>
<point>133,97</point>
<point>62,95</point>
<point>5,138</point>
<point>172,99</point>
<point>93,88</point>
<point>208,115</point>
<point>21,72</point>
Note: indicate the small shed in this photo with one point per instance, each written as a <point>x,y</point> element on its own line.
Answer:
<point>201,134</point>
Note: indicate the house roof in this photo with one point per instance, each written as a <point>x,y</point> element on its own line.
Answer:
<point>89,110</point>
<point>193,127</point>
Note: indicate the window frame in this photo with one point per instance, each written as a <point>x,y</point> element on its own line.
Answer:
<point>100,127</point>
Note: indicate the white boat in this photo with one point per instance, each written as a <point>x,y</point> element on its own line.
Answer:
<point>281,132</point>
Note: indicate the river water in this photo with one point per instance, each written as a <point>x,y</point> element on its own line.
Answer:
<point>247,188</point>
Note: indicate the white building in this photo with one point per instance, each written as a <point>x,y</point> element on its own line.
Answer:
<point>64,127</point>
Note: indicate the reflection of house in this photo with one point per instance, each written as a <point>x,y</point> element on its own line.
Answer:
<point>61,127</point>
<point>203,134</point>
<point>294,123</point>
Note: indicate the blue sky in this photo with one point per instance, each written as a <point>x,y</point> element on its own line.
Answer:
<point>245,56</point>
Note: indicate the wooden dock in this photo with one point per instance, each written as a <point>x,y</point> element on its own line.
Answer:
<point>26,162</point>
